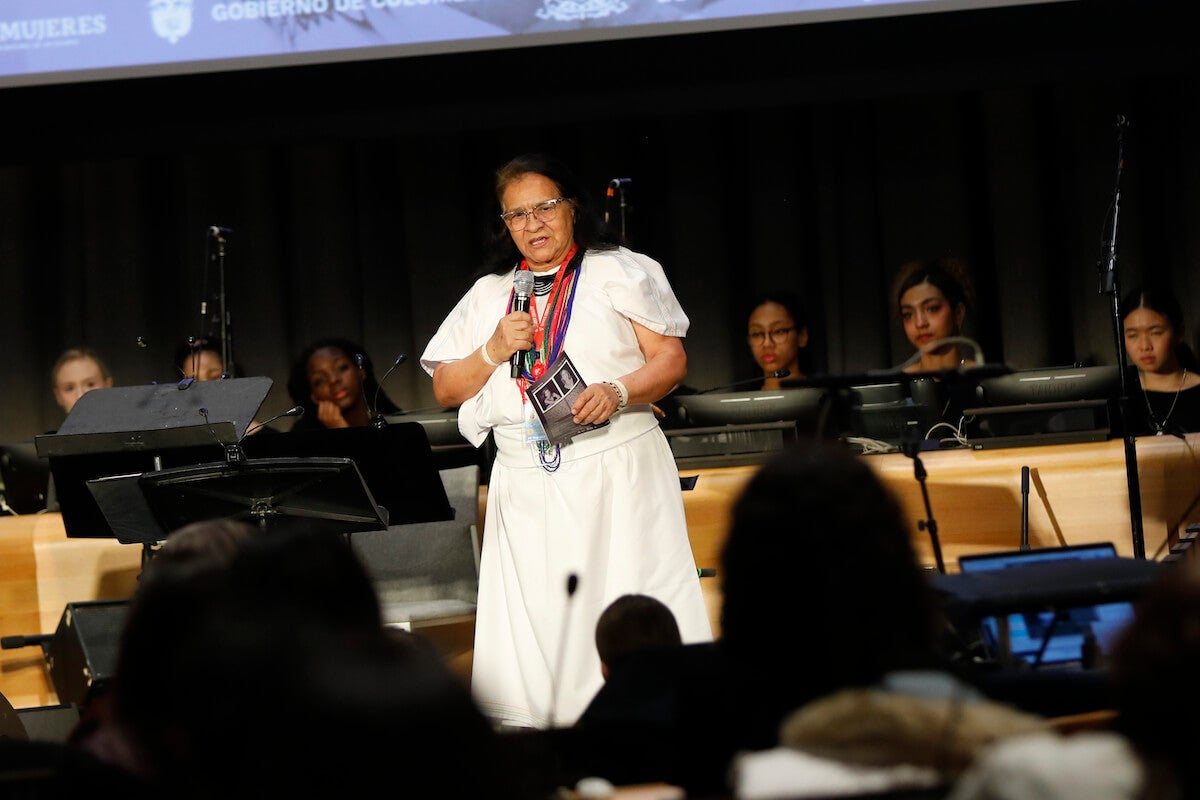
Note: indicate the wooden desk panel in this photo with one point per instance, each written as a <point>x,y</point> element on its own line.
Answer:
<point>78,570</point>
<point>23,678</point>
<point>41,570</point>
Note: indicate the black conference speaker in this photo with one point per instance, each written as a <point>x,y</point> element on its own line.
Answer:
<point>82,656</point>
<point>11,726</point>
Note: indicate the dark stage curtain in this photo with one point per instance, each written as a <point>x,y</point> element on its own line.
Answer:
<point>815,158</point>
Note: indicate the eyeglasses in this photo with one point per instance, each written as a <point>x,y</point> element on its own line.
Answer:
<point>545,212</point>
<point>777,335</point>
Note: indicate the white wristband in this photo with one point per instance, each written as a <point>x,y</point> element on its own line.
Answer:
<point>486,358</point>
<point>622,392</point>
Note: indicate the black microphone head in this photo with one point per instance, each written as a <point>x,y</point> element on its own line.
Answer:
<point>400,359</point>
<point>572,584</point>
<point>294,411</point>
<point>203,412</point>
<point>358,359</point>
<point>781,373</point>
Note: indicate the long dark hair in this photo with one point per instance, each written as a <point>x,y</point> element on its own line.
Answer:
<point>301,393</point>
<point>591,232</point>
<point>949,275</point>
<point>1162,301</point>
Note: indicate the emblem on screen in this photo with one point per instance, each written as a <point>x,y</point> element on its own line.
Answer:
<point>568,10</point>
<point>172,19</point>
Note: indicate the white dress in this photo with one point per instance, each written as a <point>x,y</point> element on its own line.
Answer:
<point>611,514</point>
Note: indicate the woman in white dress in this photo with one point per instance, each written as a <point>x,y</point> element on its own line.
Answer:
<point>572,526</point>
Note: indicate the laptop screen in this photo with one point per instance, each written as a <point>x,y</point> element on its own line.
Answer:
<point>1027,631</point>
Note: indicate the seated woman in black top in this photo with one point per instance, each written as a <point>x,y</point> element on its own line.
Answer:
<point>335,390</point>
<point>1168,374</point>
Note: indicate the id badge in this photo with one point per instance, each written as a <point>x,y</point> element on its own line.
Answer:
<point>535,434</point>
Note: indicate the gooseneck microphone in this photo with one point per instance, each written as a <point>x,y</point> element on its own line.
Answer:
<point>779,373</point>
<point>294,411</point>
<point>234,454</point>
<point>233,450</point>
<point>377,420</point>
<point>522,289</point>
<point>572,585</point>
<point>217,232</point>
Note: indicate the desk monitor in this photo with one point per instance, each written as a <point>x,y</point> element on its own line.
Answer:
<point>887,412</point>
<point>1050,385</point>
<point>450,448</point>
<point>1043,406</point>
<point>441,427</point>
<point>804,406</point>
<point>1027,631</point>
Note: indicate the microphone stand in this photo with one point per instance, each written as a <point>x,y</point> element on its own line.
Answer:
<point>1109,285</point>
<point>912,450</point>
<point>226,335</point>
<point>1024,508</point>
<point>617,186</point>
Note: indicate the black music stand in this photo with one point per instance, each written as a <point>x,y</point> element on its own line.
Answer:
<point>328,492</point>
<point>128,430</point>
<point>156,417</point>
<point>396,462</point>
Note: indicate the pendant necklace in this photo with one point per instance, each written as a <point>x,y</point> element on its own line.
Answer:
<point>1160,427</point>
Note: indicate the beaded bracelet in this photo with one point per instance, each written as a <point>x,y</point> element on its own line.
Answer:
<point>486,358</point>
<point>622,392</point>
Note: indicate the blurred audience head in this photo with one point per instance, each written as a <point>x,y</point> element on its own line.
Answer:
<point>259,665</point>
<point>1151,668</point>
<point>818,540</point>
<point>633,622</point>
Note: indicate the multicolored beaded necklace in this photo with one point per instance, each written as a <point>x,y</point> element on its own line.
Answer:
<point>550,331</point>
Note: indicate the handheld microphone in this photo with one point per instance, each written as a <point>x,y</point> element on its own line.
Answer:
<point>522,289</point>
<point>218,232</point>
<point>779,373</point>
<point>572,585</point>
